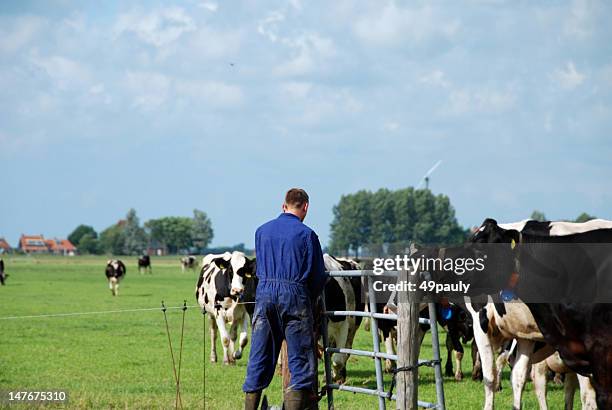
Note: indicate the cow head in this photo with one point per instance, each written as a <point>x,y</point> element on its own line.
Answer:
<point>491,232</point>
<point>244,272</point>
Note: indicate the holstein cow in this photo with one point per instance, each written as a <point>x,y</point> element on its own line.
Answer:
<point>501,322</point>
<point>226,291</point>
<point>452,317</point>
<point>144,264</point>
<point>581,330</point>
<point>342,293</point>
<point>3,275</point>
<point>115,272</point>
<point>188,262</point>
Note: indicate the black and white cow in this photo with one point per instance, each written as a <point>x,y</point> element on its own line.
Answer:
<point>115,272</point>
<point>3,274</point>
<point>452,317</point>
<point>226,292</point>
<point>581,331</point>
<point>501,322</point>
<point>188,262</point>
<point>342,294</point>
<point>144,264</point>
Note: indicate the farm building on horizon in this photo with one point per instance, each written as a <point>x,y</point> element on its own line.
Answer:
<point>4,246</point>
<point>38,244</point>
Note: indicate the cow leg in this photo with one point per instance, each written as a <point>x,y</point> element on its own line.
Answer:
<point>485,349</point>
<point>448,367</point>
<point>339,359</point>
<point>476,365</point>
<point>117,288</point>
<point>213,339</point>
<point>458,359</point>
<point>569,388</point>
<point>456,345</point>
<point>225,339</point>
<point>243,338</point>
<point>233,337</point>
<point>500,363</point>
<point>520,370</point>
<point>539,383</point>
<point>587,393</point>
<point>389,365</point>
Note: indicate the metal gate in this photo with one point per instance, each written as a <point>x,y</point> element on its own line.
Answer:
<point>376,354</point>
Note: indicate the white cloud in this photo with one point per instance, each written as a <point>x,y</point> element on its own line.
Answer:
<point>391,126</point>
<point>159,28</point>
<point>568,77</point>
<point>268,27</point>
<point>481,100</point>
<point>435,78</point>
<point>209,5</point>
<point>213,93</point>
<point>297,89</point>
<point>64,72</point>
<point>149,90</point>
<point>579,22</point>
<point>400,26</point>
<point>18,35</point>
<point>310,52</point>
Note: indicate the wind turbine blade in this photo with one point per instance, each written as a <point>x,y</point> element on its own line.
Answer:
<point>432,169</point>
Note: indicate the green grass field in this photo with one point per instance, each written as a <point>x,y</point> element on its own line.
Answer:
<point>122,360</point>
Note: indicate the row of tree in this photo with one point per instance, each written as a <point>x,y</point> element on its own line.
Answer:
<point>385,216</point>
<point>539,216</point>
<point>127,237</point>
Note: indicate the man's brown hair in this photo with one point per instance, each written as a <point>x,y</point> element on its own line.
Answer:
<point>296,197</point>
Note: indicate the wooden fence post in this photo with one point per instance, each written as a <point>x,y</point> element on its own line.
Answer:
<point>407,382</point>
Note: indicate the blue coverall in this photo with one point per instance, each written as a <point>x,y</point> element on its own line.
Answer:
<point>291,275</point>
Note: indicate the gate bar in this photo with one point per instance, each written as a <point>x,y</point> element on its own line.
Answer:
<point>326,358</point>
<point>371,392</point>
<point>390,316</point>
<point>376,342</point>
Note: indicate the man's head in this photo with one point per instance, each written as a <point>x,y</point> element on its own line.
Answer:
<point>296,202</point>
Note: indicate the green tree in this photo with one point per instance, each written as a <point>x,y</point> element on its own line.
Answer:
<point>89,244</point>
<point>202,232</point>
<point>173,232</point>
<point>538,216</point>
<point>112,239</point>
<point>134,236</point>
<point>79,232</point>
<point>373,219</point>
<point>584,217</point>
<point>351,227</point>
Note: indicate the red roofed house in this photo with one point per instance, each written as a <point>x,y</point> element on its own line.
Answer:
<point>38,244</point>
<point>4,246</point>
<point>33,244</point>
<point>61,247</point>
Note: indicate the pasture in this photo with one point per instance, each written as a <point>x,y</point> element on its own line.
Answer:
<point>122,360</point>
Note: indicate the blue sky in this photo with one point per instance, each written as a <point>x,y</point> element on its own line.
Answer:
<point>111,105</point>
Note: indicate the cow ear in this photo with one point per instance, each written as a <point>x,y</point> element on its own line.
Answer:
<point>221,263</point>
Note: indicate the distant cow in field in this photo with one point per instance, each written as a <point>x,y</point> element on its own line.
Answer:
<point>3,275</point>
<point>115,271</point>
<point>226,291</point>
<point>188,262</point>
<point>144,264</point>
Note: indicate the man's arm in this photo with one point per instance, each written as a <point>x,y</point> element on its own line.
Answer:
<point>318,276</point>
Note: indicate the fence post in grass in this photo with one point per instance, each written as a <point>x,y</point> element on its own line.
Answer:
<point>407,380</point>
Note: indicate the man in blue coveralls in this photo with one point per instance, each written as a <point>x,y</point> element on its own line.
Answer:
<point>291,276</point>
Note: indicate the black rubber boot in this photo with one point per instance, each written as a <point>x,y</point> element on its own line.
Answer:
<point>297,400</point>
<point>251,400</point>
